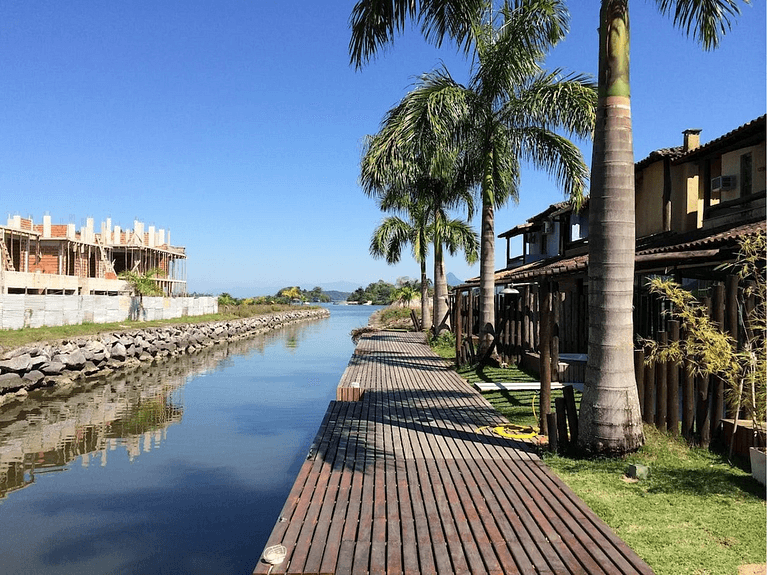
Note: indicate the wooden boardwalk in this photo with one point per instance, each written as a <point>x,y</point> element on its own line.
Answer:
<point>401,482</point>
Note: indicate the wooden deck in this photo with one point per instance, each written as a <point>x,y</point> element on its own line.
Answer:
<point>401,482</point>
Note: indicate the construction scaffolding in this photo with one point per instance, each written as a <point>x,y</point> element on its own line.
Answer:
<point>57,259</point>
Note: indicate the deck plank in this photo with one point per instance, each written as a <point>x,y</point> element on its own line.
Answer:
<point>406,481</point>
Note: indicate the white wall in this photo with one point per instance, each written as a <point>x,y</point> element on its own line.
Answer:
<point>20,310</point>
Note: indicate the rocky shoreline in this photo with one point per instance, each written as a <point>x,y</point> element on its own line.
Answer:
<point>47,364</point>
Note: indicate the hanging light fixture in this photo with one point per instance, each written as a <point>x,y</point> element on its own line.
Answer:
<point>510,290</point>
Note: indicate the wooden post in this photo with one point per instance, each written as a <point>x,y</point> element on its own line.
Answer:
<point>661,388</point>
<point>470,319</point>
<point>689,402</point>
<point>732,319</point>
<point>458,326</point>
<point>703,419</point>
<point>545,358</point>
<point>573,415</point>
<point>673,385</point>
<point>640,378</point>
<point>555,349</point>
<point>650,388</point>
<point>718,316</point>
<point>527,339</point>
<point>551,431</point>
<point>562,423</point>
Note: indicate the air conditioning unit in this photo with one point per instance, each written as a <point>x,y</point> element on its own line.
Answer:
<point>723,183</point>
<point>549,227</point>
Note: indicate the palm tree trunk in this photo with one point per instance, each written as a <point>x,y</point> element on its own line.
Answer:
<point>440,306</point>
<point>609,421</point>
<point>426,319</point>
<point>487,271</point>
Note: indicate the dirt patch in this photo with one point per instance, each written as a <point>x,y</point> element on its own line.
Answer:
<point>752,569</point>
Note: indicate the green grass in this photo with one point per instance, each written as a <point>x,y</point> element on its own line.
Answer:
<point>694,515</point>
<point>10,339</point>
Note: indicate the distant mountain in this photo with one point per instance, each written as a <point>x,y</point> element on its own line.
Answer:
<point>337,295</point>
<point>453,280</point>
<point>341,286</point>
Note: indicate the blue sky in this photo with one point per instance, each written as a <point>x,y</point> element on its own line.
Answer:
<point>237,124</point>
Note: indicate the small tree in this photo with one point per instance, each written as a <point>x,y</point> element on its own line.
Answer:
<point>144,284</point>
<point>708,350</point>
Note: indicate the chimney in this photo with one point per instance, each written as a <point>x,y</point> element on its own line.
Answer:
<point>691,139</point>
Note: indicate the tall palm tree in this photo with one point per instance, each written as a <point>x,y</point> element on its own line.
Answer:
<point>394,233</point>
<point>610,417</point>
<point>507,113</point>
<point>426,206</point>
<point>609,421</point>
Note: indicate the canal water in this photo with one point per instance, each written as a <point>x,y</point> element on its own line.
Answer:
<point>180,467</point>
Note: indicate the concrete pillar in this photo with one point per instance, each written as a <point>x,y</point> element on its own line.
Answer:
<point>152,237</point>
<point>46,226</point>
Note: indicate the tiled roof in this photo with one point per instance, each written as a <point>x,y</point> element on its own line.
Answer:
<point>697,239</point>
<point>754,129</point>
<point>656,155</point>
<point>665,243</point>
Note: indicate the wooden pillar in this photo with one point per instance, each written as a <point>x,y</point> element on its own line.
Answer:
<point>732,318</point>
<point>640,378</point>
<point>545,348</point>
<point>703,419</point>
<point>555,349</point>
<point>673,384</point>
<point>661,387</point>
<point>718,316</point>
<point>689,402</point>
<point>526,320</point>
<point>470,309</point>
<point>457,325</point>
<point>650,388</point>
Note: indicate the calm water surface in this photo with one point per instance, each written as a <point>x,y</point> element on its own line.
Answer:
<point>182,467</point>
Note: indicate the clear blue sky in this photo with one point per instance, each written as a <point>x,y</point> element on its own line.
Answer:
<point>237,124</point>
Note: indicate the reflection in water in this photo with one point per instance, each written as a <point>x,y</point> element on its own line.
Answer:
<point>130,411</point>
<point>227,430</point>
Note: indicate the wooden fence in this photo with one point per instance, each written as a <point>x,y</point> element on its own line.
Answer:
<point>671,398</point>
<point>674,399</point>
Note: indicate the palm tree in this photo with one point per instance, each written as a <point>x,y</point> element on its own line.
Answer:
<point>404,166</point>
<point>428,221</point>
<point>507,114</point>
<point>609,421</point>
<point>610,415</point>
<point>394,233</point>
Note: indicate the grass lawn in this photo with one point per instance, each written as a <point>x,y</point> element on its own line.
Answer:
<point>695,514</point>
<point>10,339</point>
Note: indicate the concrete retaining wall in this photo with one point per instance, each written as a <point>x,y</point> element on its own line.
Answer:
<point>51,363</point>
<point>18,311</point>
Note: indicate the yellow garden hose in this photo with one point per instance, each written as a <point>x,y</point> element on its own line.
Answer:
<point>513,431</point>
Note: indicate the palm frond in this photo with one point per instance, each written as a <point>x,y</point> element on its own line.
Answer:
<point>558,156</point>
<point>374,24</point>
<point>555,102</point>
<point>706,20</point>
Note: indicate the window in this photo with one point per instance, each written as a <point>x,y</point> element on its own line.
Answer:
<point>745,175</point>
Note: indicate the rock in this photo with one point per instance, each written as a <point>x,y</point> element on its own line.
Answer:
<point>74,360</point>
<point>32,378</point>
<point>90,368</point>
<point>637,471</point>
<point>18,364</point>
<point>52,368</point>
<point>10,382</point>
<point>118,351</point>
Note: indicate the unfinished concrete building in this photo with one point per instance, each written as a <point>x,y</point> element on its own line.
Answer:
<point>57,259</point>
